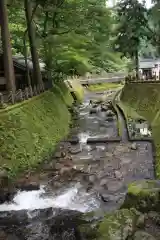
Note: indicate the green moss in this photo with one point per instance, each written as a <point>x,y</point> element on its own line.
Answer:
<point>119,122</point>
<point>143,195</point>
<point>142,188</point>
<point>145,99</point>
<point>129,112</point>
<point>118,225</point>
<point>104,86</point>
<point>31,131</point>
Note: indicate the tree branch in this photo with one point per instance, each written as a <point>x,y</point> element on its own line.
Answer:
<point>44,34</point>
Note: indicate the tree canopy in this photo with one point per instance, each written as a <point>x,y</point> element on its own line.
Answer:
<point>72,37</point>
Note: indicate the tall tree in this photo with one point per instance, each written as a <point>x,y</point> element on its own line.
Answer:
<point>6,45</point>
<point>131,29</point>
<point>154,18</point>
<point>32,39</point>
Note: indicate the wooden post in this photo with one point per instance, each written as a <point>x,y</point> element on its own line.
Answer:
<point>6,44</point>
<point>20,95</point>
<point>26,93</point>
<point>30,91</point>
<point>1,99</point>
<point>35,90</point>
<point>12,95</point>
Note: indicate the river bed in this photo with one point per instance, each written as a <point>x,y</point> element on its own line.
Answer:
<point>81,177</point>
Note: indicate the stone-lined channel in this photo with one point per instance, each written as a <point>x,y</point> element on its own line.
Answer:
<point>81,177</point>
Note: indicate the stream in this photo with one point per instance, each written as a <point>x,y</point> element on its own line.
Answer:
<point>89,173</point>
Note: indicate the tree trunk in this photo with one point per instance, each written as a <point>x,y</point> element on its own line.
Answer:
<point>6,45</point>
<point>137,64</point>
<point>26,62</point>
<point>32,39</point>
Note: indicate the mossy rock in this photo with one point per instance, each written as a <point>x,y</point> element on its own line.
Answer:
<point>143,195</point>
<point>88,231</point>
<point>141,235</point>
<point>119,225</point>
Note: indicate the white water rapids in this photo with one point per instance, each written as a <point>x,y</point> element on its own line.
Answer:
<point>72,198</point>
<point>83,137</point>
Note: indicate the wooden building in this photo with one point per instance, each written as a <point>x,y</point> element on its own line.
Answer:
<point>20,70</point>
<point>150,68</point>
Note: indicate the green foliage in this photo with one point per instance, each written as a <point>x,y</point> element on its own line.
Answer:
<point>72,37</point>
<point>30,132</point>
<point>118,225</point>
<point>131,27</point>
<point>154,19</point>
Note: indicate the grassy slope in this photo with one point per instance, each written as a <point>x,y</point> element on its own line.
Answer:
<point>145,99</point>
<point>30,131</point>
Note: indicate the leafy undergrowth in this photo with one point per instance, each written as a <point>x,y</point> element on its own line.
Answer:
<point>104,86</point>
<point>145,99</point>
<point>30,132</point>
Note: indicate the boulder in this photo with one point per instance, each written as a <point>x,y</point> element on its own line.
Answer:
<point>75,150</point>
<point>109,119</point>
<point>103,182</point>
<point>93,110</point>
<point>140,235</point>
<point>41,224</point>
<point>134,146</point>
<point>92,178</point>
<point>94,105</point>
<point>58,154</point>
<point>141,221</point>
<point>104,108</point>
<point>32,186</point>
<point>118,225</point>
<point>109,113</point>
<point>144,195</point>
<point>6,195</point>
<point>118,175</point>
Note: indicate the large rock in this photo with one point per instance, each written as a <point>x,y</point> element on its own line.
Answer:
<point>104,108</point>
<point>41,224</point>
<point>110,119</point>
<point>134,146</point>
<point>118,225</point>
<point>92,111</point>
<point>140,235</point>
<point>143,195</point>
<point>6,195</point>
<point>109,113</point>
<point>75,150</point>
<point>28,186</point>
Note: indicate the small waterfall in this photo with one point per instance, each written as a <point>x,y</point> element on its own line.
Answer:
<point>73,198</point>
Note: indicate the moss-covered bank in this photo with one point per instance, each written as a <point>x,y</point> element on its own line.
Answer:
<point>30,130</point>
<point>145,99</point>
<point>104,86</point>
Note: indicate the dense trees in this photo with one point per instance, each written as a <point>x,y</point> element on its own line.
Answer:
<point>72,37</point>
<point>75,37</point>
<point>132,28</point>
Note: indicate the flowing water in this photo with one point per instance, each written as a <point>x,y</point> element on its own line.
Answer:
<point>95,179</point>
<point>71,198</point>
